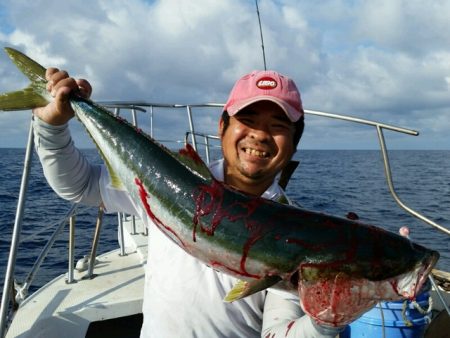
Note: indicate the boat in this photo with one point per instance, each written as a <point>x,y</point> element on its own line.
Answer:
<point>102,296</point>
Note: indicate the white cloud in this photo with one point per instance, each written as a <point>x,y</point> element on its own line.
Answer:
<point>416,27</point>
<point>379,60</point>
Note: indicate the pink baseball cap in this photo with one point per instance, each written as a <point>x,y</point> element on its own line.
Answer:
<point>265,85</point>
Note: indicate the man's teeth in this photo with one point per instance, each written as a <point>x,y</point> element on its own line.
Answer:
<point>255,152</point>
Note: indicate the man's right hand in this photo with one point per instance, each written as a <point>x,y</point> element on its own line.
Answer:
<point>60,86</point>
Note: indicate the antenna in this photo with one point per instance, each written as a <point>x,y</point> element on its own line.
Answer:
<point>261,34</point>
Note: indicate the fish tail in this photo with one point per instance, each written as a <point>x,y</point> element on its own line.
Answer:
<point>35,95</point>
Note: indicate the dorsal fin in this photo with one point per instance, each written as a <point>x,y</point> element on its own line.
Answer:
<point>189,157</point>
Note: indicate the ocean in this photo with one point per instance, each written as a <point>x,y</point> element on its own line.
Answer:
<point>330,181</point>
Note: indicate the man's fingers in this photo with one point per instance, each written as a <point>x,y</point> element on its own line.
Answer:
<point>84,88</point>
<point>60,78</point>
<point>67,82</point>
<point>49,72</point>
<point>55,79</point>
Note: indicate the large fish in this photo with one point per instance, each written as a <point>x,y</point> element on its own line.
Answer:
<point>339,267</point>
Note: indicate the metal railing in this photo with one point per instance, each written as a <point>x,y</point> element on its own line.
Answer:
<point>387,168</point>
<point>143,107</point>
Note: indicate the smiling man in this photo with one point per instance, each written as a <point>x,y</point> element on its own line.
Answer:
<point>260,128</point>
<point>263,112</point>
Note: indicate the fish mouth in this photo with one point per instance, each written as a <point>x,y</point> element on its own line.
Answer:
<point>409,284</point>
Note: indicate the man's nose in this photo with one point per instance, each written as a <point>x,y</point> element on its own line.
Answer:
<point>260,132</point>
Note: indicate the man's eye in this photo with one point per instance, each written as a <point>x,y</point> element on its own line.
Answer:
<point>280,126</point>
<point>246,120</point>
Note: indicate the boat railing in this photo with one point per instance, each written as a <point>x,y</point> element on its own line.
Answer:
<point>387,168</point>
<point>197,140</point>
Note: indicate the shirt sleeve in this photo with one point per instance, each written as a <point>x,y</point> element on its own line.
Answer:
<point>66,169</point>
<point>283,317</point>
<point>116,200</point>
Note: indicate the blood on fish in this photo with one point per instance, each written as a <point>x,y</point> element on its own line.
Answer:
<point>209,201</point>
<point>329,300</point>
<point>289,327</point>
<point>256,233</point>
<point>270,335</point>
<point>144,195</point>
<point>237,272</point>
<point>190,152</point>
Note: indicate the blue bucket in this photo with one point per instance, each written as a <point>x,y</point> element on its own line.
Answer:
<point>371,323</point>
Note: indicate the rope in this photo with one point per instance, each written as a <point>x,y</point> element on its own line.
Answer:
<point>419,308</point>
<point>382,321</point>
<point>405,319</point>
<point>422,310</point>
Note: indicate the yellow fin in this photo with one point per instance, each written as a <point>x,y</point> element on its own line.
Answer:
<point>244,288</point>
<point>21,100</point>
<point>116,182</point>
<point>35,95</point>
<point>33,70</point>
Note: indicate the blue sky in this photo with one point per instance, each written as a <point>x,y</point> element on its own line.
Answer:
<point>383,60</point>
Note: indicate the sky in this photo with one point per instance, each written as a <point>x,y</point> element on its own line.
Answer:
<point>381,60</point>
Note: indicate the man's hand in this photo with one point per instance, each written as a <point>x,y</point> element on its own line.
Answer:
<point>60,86</point>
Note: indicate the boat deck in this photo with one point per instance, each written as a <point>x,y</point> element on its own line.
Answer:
<point>116,291</point>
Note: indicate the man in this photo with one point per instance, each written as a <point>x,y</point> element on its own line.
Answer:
<point>260,127</point>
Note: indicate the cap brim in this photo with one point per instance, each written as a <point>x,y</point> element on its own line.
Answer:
<point>293,114</point>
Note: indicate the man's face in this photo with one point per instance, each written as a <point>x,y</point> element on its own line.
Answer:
<point>257,144</point>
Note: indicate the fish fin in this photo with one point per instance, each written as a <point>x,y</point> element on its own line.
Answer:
<point>35,95</point>
<point>21,100</point>
<point>244,288</point>
<point>116,182</point>
<point>283,200</point>
<point>33,70</point>
<point>189,157</point>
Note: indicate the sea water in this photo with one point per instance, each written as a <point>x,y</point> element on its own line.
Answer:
<point>331,181</point>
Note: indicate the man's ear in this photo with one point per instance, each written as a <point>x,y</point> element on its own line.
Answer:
<point>220,131</point>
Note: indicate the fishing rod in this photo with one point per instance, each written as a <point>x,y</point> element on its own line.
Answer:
<point>261,35</point>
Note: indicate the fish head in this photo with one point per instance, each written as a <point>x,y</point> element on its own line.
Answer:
<point>338,298</point>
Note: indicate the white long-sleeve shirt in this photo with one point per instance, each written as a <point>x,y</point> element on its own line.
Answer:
<point>183,297</point>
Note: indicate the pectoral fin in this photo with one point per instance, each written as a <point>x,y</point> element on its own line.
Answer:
<point>244,288</point>
<point>115,180</point>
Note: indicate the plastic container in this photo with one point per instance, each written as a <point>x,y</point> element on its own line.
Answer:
<point>371,324</point>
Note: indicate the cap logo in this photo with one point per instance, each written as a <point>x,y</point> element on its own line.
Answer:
<point>266,83</point>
